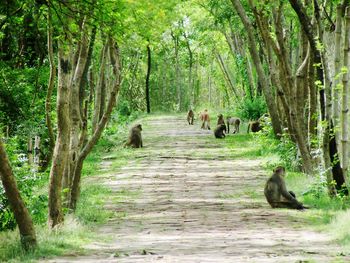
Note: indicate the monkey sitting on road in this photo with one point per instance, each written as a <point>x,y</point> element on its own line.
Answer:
<point>190,117</point>
<point>135,139</point>
<point>219,131</point>
<point>276,192</point>
<point>235,122</point>
<point>221,121</point>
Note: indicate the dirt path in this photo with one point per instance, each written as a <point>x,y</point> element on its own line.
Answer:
<point>181,211</point>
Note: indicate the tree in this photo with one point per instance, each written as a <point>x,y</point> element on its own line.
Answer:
<point>23,218</point>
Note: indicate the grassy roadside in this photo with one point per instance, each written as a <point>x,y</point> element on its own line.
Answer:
<point>326,214</point>
<point>78,229</point>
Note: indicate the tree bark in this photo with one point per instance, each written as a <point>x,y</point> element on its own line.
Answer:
<point>115,61</point>
<point>22,216</point>
<point>276,124</point>
<point>345,97</point>
<point>60,154</point>
<point>50,87</point>
<point>148,104</point>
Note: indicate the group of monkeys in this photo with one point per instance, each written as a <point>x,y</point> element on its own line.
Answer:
<point>221,128</point>
<point>275,191</point>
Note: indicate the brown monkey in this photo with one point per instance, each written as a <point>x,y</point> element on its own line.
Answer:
<point>219,131</point>
<point>221,121</point>
<point>235,122</point>
<point>254,126</point>
<point>205,120</point>
<point>190,117</point>
<point>276,191</point>
<point>135,139</point>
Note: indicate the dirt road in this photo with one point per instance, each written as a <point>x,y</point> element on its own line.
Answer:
<point>192,202</point>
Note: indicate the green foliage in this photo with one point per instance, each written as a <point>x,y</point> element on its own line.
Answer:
<point>252,109</point>
<point>29,183</point>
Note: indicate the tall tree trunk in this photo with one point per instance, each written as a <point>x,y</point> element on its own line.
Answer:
<point>276,124</point>
<point>345,97</point>
<point>50,87</point>
<point>99,88</point>
<point>319,58</point>
<point>22,216</point>
<point>336,77</point>
<point>190,66</point>
<point>226,74</point>
<point>115,61</point>
<point>148,103</point>
<point>60,154</point>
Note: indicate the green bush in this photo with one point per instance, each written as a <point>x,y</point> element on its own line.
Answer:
<point>252,109</point>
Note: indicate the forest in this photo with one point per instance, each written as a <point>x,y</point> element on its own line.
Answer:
<point>77,76</point>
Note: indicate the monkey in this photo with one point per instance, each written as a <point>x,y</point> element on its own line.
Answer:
<point>221,121</point>
<point>219,131</point>
<point>254,126</point>
<point>276,192</point>
<point>205,120</point>
<point>190,117</point>
<point>235,122</point>
<point>135,139</point>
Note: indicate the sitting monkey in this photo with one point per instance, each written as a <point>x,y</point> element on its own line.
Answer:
<point>135,139</point>
<point>276,192</point>
<point>190,117</point>
<point>235,122</point>
<point>221,120</point>
<point>219,131</point>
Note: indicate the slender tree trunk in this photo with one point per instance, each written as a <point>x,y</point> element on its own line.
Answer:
<point>226,74</point>
<point>345,96</point>
<point>148,104</point>
<point>22,216</point>
<point>99,88</point>
<point>336,78</point>
<point>75,190</point>
<point>60,154</point>
<point>276,124</point>
<point>50,87</point>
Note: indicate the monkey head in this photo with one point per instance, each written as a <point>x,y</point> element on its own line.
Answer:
<point>139,127</point>
<point>279,170</point>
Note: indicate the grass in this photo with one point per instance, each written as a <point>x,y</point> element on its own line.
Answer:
<point>78,229</point>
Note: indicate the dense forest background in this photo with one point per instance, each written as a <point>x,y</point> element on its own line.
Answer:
<point>72,70</point>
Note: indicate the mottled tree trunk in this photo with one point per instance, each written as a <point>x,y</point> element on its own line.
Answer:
<point>50,88</point>
<point>75,190</point>
<point>60,154</point>
<point>270,101</point>
<point>22,216</point>
<point>149,63</point>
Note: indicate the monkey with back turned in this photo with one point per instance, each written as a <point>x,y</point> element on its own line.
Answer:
<point>276,192</point>
<point>190,117</point>
<point>219,131</point>
<point>221,121</point>
<point>135,138</point>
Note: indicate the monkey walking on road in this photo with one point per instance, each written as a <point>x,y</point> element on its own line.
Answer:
<point>190,117</point>
<point>235,122</point>
<point>204,116</point>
